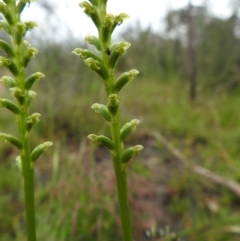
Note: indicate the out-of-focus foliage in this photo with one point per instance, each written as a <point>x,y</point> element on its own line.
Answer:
<point>216,42</point>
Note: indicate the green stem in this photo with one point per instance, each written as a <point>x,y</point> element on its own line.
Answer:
<point>28,179</point>
<point>121,179</point>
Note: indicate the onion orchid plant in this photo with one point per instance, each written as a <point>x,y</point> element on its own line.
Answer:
<point>104,62</point>
<point>17,54</point>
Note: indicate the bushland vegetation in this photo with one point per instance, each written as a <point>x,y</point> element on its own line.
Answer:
<point>171,197</point>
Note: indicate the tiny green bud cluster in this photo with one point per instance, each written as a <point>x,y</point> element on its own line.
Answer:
<point>104,63</point>
<point>19,52</point>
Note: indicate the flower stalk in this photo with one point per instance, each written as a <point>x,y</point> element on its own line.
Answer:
<point>104,63</point>
<point>18,55</point>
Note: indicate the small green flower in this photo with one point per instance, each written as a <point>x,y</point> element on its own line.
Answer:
<point>93,41</point>
<point>32,120</point>
<point>32,79</point>
<point>102,110</point>
<point>128,128</point>
<point>91,12</point>
<point>131,152</point>
<point>102,140</point>
<point>39,150</point>
<point>124,78</point>
<point>11,139</point>
<point>8,104</point>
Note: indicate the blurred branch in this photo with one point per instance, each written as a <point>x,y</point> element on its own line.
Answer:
<point>215,178</point>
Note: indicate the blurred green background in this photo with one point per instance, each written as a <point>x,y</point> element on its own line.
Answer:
<point>188,90</point>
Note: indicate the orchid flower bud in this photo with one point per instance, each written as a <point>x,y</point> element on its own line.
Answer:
<point>128,128</point>
<point>30,25</point>
<point>20,32</point>
<point>32,79</point>
<point>117,50</point>
<point>91,12</point>
<point>8,81</point>
<point>31,96</point>
<point>102,110</point>
<point>130,152</point>
<point>6,13</point>
<point>125,78</point>
<point>30,53</point>
<point>7,48</point>
<point>39,150</point>
<point>18,94</point>
<point>85,53</point>
<point>8,104</point>
<point>93,41</point>
<point>4,26</point>
<point>19,163</point>
<point>119,20</point>
<point>98,67</point>
<point>8,64</point>
<point>21,5</point>
<point>113,104</point>
<point>32,120</point>
<point>107,26</point>
<point>101,140</point>
<point>11,139</point>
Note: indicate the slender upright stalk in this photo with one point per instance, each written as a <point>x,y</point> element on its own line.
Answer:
<point>19,53</point>
<point>104,64</point>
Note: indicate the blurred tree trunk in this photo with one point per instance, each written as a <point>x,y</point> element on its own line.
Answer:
<point>191,54</point>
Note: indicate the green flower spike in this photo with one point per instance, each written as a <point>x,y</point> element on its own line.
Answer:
<point>18,54</point>
<point>104,63</point>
